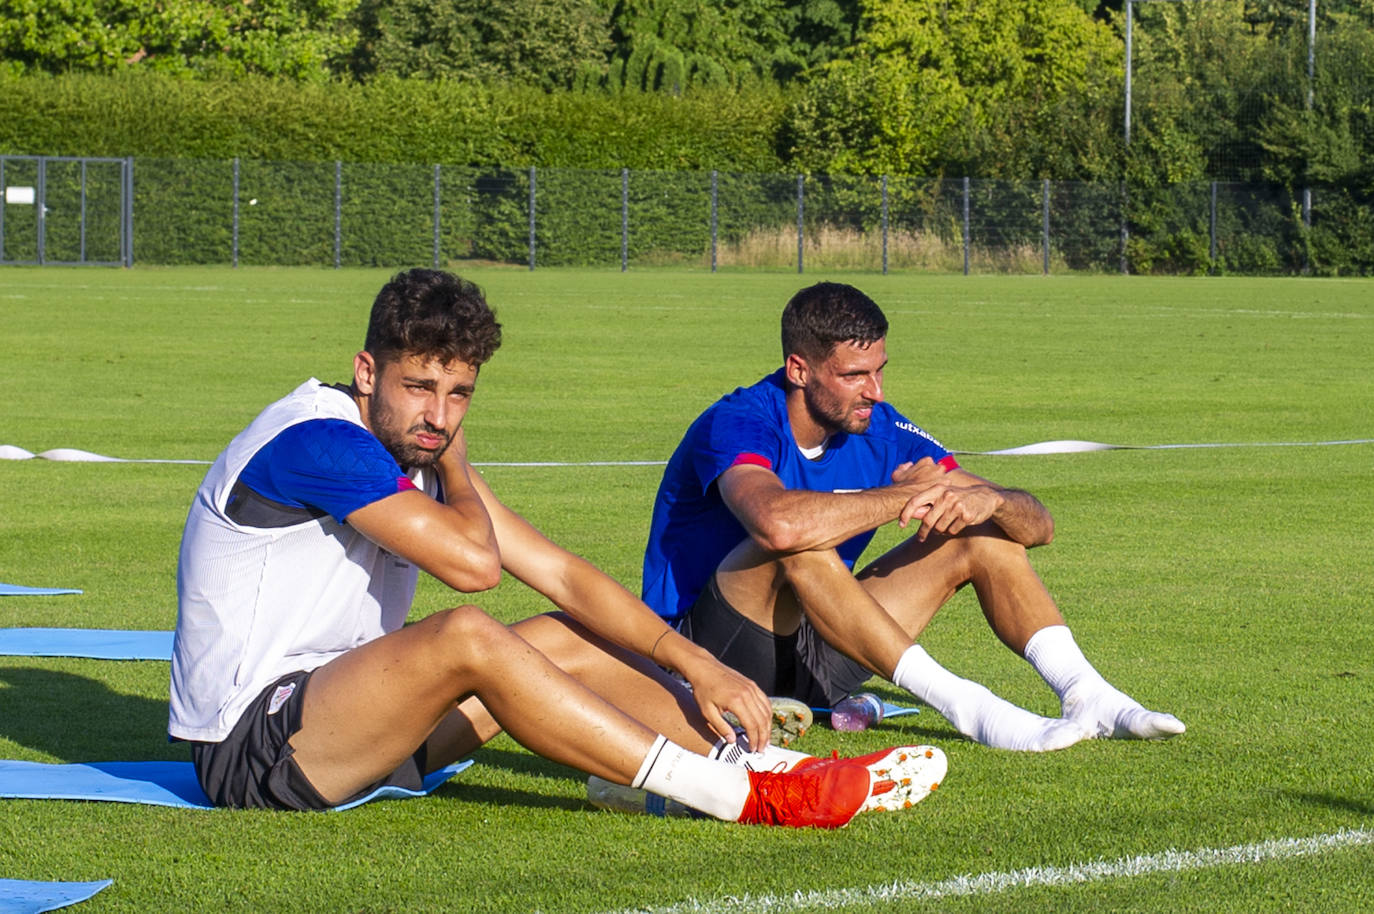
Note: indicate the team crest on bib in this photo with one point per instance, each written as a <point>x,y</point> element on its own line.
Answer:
<point>280,696</point>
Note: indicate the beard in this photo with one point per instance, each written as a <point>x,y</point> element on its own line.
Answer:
<point>407,453</point>
<point>831,413</point>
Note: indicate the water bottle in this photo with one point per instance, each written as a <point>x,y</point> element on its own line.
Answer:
<point>604,794</point>
<point>857,712</point>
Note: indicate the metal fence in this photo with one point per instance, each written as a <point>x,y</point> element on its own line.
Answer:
<point>180,211</point>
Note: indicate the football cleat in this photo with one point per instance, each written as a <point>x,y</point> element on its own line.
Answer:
<point>829,792</point>
<point>791,720</point>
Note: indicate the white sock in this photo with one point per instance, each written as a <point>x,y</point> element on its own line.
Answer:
<point>976,712</point>
<point>769,758</point>
<point>713,787</point>
<point>1087,697</point>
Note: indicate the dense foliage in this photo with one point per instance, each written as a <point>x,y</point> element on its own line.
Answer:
<point>998,89</point>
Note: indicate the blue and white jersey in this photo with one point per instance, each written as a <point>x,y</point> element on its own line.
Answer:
<point>693,530</point>
<point>270,578</point>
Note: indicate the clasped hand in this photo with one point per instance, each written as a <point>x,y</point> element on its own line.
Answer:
<point>940,506</point>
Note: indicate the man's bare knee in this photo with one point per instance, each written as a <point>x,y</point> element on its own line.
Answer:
<point>465,637</point>
<point>809,565</point>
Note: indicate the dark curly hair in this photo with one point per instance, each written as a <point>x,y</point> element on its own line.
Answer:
<point>820,317</point>
<point>434,314</point>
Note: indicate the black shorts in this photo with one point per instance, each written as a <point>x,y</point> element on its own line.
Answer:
<point>253,767</point>
<point>801,665</point>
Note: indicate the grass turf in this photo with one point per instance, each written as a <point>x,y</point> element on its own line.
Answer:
<point>1230,586</point>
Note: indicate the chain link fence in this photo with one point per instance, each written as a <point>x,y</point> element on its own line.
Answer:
<point>179,211</point>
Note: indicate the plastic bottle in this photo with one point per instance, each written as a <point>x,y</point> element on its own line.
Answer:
<point>604,794</point>
<point>857,712</point>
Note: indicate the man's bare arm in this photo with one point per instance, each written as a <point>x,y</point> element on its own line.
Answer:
<point>963,500</point>
<point>599,602</point>
<point>453,540</point>
<point>786,521</point>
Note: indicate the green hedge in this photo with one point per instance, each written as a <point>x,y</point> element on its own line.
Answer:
<point>392,121</point>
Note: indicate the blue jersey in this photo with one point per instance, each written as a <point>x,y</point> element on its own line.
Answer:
<point>693,530</point>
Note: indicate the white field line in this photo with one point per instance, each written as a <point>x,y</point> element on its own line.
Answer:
<point>1170,861</point>
<point>12,452</point>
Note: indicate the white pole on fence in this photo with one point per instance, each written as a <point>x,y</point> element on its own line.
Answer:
<point>801,208</point>
<point>436,217</point>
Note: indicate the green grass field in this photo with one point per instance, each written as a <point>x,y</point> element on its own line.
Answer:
<point>1231,586</point>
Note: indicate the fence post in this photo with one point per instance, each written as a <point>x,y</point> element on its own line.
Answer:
<point>884,225</point>
<point>1045,222</point>
<point>624,219</point>
<point>1125,227</point>
<point>234,244</point>
<point>714,219</point>
<point>338,211</point>
<point>801,209</point>
<point>82,256</point>
<point>436,217</point>
<point>1212,233</point>
<point>1307,230</point>
<point>129,213</point>
<point>2,210</point>
<point>532,177</point>
<point>966,231</point>
<point>42,208</point>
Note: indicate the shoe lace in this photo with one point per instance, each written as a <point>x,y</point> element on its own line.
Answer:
<point>789,797</point>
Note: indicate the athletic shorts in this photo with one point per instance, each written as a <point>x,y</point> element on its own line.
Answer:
<point>253,767</point>
<point>801,665</point>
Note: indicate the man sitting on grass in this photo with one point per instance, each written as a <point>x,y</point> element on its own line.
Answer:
<point>298,684</point>
<point>777,489</point>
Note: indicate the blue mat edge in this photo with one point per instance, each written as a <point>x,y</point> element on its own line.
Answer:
<point>28,895</point>
<point>93,643</point>
<point>179,789</point>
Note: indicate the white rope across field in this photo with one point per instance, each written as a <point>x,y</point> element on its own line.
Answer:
<point>72,455</point>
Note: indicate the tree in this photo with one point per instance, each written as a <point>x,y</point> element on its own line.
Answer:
<point>546,43</point>
<point>302,39</point>
<point>673,44</point>
<point>931,82</point>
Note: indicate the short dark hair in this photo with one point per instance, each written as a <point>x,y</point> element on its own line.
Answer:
<point>432,314</point>
<point>820,317</point>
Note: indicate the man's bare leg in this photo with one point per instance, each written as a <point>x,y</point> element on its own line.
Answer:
<point>916,575</point>
<point>629,681</point>
<point>775,592</point>
<point>367,711</point>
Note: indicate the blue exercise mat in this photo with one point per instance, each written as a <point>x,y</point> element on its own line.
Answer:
<point>14,590</point>
<point>99,643</point>
<point>22,896</point>
<point>152,783</point>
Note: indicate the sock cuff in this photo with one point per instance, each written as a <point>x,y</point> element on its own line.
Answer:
<point>912,660</point>
<point>1053,653</point>
<point>1050,638</point>
<point>656,750</point>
